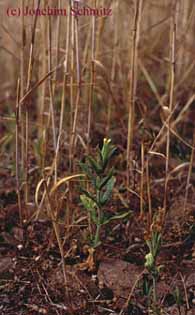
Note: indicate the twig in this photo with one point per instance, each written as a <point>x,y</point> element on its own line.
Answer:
<point>17,152</point>
<point>185,290</point>
<point>131,292</point>
<point>133,81</point>
<point>189,172</point>
<point>171,100</point>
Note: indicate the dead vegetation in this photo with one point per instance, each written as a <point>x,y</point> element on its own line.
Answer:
<point>67,85</point>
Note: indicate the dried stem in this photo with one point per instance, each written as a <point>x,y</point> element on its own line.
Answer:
<point>63,98</point>
<point>142,180</point>
<point>51,93</point>
<point>17,153</point>
<point>92,78</point>
<point>57,233</point>
<point>171,101</point>
<point>189,172</point>
<point>133,80</point>
<point>22,80</point>
<point>78,94</point>
<point>29,78</point>
<point>149,192</point>
<point>114,62</point>
<point>72,63</point>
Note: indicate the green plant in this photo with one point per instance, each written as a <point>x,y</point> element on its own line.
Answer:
<point>100,188</point>
<point>146,286</point>
<point>154,244</point>
<point>178,299</point>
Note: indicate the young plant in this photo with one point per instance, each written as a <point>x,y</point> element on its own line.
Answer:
<point>178,299</point>
<point>154,244</point>
<point>146,287</point>
<point>101,184</point>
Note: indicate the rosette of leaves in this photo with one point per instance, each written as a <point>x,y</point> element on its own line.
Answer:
<point>99,193</point>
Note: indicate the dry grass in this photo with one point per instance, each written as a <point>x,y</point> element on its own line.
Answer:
<point>73,78</point>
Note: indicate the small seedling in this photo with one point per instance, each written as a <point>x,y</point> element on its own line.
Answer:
<point>153,244</point>
<point>178,299</point>
<point>146,287</point>
<point>101,184</point>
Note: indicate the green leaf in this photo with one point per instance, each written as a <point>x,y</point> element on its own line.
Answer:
<point>108,193</point>
<point>95,166</point>
<point>104,180</point>
<point>111,153</point>
<point>85,168</point>
<point>147,288</point>
<point>90,206</point>
<point>156,242</point>
<point>149,261</point>
<point>100,157</point>
<point>148,242</point>
<point>88,194</point>
<point>116,217</point>
<point>87,202</point>
<point>178,296</point>
<point>105,149</point>
<point>97,183</point>
<point>107,152</point>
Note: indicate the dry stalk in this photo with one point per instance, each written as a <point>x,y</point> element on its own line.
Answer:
<point>78,92</point>
<point>63,98</point>
<point>161,136</point>
<point>185,290</point>
<point>151,82</point>
<point>91,91</point>
<point>184,20</point>
<point>72,63</point>
<point>51,94</point>
<point>171,100</point>
<point>92,78</point>
<point>37,84</point>
<point>42,90</point>
<point>29,78</point>
<point>22,80</point>
<point>133,80</point>
<point>57,43</point>
<point>57,233</point>
<point>189,172</point>
<point>131,292</point>
<point>114,62</point>
<point>17,152</point>
<point>74,59</point>
<point>100,27</point>
<point>142,180</point>
<point>149,192</point>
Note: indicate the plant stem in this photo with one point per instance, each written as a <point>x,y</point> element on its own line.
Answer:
<point>171,102</point>
<point>98,225</point>
<point>154,290</point>
<point>17,152</point>
<point>133,81</point>
<point>97,233</point>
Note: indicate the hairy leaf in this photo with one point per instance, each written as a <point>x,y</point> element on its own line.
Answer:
<point>95,165</point>
<point>108,193</point>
